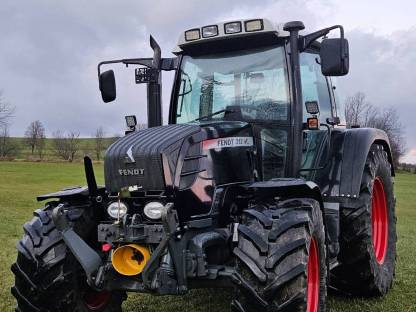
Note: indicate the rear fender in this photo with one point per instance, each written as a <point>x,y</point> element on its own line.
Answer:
<point>352,148</point>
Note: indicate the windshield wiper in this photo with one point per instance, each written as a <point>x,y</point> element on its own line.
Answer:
<point>213,114</point>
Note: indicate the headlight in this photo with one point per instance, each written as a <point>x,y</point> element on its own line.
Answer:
<point>153,210</point>
<point>117,210</point>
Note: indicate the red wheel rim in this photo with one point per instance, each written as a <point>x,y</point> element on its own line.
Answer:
<point>379,220</point>
<point>313,277</point>
<point>95,300</point>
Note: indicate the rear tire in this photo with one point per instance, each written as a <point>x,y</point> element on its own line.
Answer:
<point>48,277</point>
<point>281,258</point>
<point>368,232</point>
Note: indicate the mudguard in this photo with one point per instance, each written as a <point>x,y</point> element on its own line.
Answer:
<point>70,193</point>
<point>287,187</point>
<point>350,148</point>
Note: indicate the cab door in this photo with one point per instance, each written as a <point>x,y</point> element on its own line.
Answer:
<point>315,87</point>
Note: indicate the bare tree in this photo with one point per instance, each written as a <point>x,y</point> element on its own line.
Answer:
<point>8,148</point>
<point>66,145</point>
<point>41,146</point>
<point>356,109</point>
<point>359,112</point>
<point>34,134</point>
<point>6,112</point>
<point>99,142</point>
<point>389,121</point>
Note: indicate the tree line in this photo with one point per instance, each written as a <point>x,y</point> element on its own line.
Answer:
<point>359,112</point>
<point>65,145</point>
<point>7,146</point>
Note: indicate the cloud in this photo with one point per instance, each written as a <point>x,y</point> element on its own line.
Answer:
<point>383,67</point>
<point>410,157</point>
<point>50,51</point>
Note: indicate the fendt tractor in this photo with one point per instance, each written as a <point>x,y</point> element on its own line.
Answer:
<point>255,184</point>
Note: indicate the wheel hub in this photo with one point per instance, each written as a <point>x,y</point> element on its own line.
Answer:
<point>379,221</point>
<point>95,300</point>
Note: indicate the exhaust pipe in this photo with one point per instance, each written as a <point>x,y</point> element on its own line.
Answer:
<point>130,259</point>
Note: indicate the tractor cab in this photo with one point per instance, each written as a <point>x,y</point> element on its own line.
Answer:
<point>240,71</point>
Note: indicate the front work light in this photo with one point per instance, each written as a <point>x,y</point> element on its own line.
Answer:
<point>131,121</point>
<point>209,31</point>
<point>312,107</point>
<point>117,210</point>
<point>232,28</point>
<point>153,210</point>
<point>254,25</point>
<point>192,34</point>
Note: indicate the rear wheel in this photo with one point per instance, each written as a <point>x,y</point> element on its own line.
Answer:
<point>368,232</point>
<point>281,258</point>
<point>48,277</point>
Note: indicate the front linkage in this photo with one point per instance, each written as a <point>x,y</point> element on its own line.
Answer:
<point>179,255</point>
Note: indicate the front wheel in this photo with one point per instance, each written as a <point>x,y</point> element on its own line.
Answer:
<point>47,276</point>
<point>281,258</point>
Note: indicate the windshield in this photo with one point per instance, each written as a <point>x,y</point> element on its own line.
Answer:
<point>240,85</point>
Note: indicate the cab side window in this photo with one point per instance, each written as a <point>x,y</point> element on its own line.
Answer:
<point>314,88</point>
<point>314,85</point>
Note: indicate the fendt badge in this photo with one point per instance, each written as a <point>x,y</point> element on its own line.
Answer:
<point>131,172</point>
<point>227,142</point>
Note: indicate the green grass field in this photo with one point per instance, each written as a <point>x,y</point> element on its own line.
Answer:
<point>20,182</point>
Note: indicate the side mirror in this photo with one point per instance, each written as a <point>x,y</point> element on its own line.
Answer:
<point>334,57</point>
<point>107,83</point>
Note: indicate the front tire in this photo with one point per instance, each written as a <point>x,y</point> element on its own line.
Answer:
<point>281,258</point>
<point>48,277</point>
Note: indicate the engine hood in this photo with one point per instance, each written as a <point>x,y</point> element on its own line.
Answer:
<point>174,156</point>
<point>136,159</point>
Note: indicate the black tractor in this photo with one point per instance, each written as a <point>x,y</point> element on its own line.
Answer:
<point>255,184</point>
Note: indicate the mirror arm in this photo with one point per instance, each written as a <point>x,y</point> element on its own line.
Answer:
<point>134,61</point>
<point>307,40</point>
<point>139,61</point>
<point>166,63</point>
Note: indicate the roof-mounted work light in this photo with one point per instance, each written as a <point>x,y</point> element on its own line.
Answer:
<point>254,25</point>
<point>232,28</point>
<point>209,31</point>
<point>192,34</point>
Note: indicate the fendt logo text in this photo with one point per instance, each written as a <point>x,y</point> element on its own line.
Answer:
<point>131,172</point>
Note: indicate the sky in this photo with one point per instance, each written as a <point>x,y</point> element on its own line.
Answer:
<point>49,51</point>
